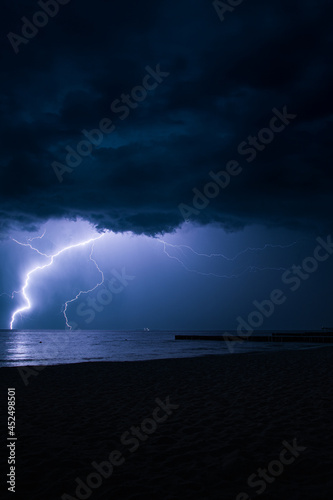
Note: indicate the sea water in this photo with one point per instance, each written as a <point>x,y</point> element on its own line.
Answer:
<point>26,347</point>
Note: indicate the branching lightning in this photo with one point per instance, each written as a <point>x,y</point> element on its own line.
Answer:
<point>29,245</point>
<point>182,254</point>
<point>230,259</point>
<point>38,237</point>
<point>81,292</point>
<point>249,249</point>
<point>24,289</point>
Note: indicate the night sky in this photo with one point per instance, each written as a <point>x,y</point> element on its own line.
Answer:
<point>195,142</point>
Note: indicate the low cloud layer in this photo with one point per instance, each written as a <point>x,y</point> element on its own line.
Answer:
<point>216,86</point>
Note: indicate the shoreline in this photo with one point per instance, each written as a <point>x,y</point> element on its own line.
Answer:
<point>301,347</point>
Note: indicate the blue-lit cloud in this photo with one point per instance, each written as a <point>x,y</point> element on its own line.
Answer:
<point>215,100</point>
<point>194,278</point>
<point>222,86</point>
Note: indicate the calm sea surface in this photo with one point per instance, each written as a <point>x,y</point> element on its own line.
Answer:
<point>54,347</point>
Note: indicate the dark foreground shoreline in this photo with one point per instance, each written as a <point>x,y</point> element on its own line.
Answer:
<point>193,428</point>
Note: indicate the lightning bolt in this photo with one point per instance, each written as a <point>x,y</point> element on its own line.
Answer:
<point>249,249</point>
<point>24,290</point>
<point>37,237</point>
<point>32,248</point>
<point>230,259</point>
<point>29,245</point>
<point>81,292</point>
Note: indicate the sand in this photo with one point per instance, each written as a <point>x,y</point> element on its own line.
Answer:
<point>230,416</point>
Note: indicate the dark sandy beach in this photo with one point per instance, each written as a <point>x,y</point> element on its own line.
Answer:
<point>205,426</point>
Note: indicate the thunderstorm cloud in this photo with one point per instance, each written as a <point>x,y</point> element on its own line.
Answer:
<point>220,83</point>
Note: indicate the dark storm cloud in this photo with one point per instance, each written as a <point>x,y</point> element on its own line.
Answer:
<point>224,80</point>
